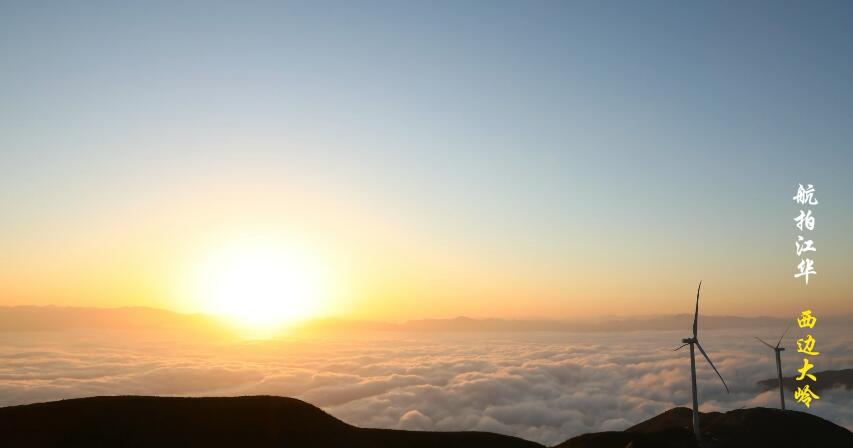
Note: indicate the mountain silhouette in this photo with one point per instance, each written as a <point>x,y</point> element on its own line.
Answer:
<point>58,318</point>
<point>265,421</point>
<point>827,379</point>
<point>753,427</point>
<point>256,421</point>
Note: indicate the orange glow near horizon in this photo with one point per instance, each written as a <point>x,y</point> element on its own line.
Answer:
<point>260,284</point>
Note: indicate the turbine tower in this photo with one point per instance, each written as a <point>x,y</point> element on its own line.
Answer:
<point>778,351</point>
<point>691,342</point>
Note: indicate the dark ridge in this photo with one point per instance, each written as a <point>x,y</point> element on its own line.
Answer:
<point>827,379</point>
<point>261,421</point>
<point>753,427</point>
<point>257,421</point>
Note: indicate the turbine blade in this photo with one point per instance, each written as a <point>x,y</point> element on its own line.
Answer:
<point>696,314</point>
<point>783,335</point>
<point>712,366</point>
<point>680,347</point>
<point>765,343</point>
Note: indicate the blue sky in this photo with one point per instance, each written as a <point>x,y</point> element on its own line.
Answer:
<point>571,138</point>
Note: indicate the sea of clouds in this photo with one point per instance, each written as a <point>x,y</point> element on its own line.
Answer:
<point>545,387</point>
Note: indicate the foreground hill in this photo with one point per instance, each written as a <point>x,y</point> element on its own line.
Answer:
<point>263,421</point>
<point>233,422</point>
<point>754,427</point>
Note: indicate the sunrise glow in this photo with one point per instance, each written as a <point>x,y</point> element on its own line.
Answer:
<point>260,283</point>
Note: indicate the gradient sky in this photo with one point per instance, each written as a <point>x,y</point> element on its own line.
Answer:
<point>491,159</point>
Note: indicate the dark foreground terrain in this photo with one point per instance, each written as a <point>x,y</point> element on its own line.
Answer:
<point>287,422</point>
<point>210,422</point>
<point>753,427</point>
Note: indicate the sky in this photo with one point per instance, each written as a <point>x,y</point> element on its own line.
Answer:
<point>489,159</point>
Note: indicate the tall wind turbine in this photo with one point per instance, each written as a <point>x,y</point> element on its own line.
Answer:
<point>778,351</point>
<point>691,342</point>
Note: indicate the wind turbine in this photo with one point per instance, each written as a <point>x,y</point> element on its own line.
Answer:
<point>691,342</point>
<point>778,351</point>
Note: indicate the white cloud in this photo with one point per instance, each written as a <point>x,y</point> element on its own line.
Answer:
<point>545,387</point>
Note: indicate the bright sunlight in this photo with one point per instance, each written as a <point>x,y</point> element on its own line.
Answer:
<point>260,284</point>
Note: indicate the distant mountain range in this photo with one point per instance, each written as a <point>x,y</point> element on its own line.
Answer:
<point>643,323</point>
<point>827,379</point>
<point>54,318</point>
<point>262,421</point>
<point>57,318</point>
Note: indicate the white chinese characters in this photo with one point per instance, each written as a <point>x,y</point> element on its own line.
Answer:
<point>805,195</point>
<point>805,222</point>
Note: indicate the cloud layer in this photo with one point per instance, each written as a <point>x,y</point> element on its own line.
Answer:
<point>545,387</point>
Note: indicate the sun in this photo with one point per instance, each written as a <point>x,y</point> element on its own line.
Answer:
<point>260,284</point>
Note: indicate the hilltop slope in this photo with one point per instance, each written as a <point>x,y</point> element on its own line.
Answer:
<point>262,421</point>
<point>753,427</point>
<point>131,421</point>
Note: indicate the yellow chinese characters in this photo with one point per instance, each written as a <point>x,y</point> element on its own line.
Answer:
<point>806,319</point>
<point>804,371</point>
<point>805,395</point>
<point>806,345</point>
